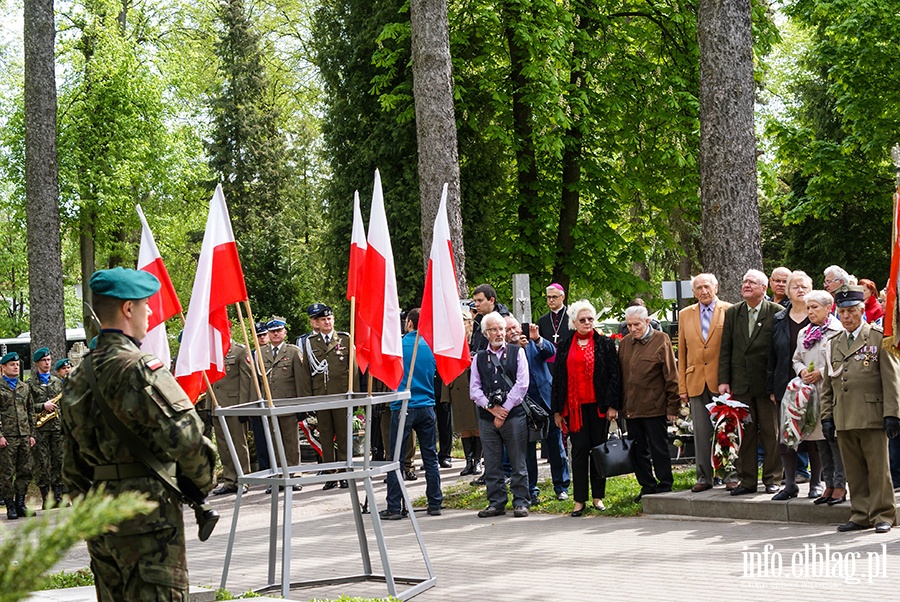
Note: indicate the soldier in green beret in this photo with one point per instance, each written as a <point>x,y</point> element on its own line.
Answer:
<point>62,368</point>
<point>46,390</point>
<point>145,558</point>
<point>16,437</point>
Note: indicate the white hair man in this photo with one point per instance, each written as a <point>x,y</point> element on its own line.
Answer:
<point>835,278</point>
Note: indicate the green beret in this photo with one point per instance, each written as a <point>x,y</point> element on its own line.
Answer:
<point>93,343</point>
<point>12,356</point>
<point>40,354</point>
<point>61,363</point>
<point>124,283</point>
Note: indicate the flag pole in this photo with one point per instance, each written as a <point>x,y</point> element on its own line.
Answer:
<point>352,342</point>
<point>259,359</point>
<point>247,343</point>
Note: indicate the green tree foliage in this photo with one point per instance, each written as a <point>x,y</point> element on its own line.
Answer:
<point>833,122</point>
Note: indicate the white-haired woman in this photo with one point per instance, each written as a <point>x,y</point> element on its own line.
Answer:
<point>812,345</point>
<point>587,393</point>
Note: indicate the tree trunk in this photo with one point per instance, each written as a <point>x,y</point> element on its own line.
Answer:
<point>731,227</point>
<point>436,126</point>
<point>48,325</point>
<point>86,246</point>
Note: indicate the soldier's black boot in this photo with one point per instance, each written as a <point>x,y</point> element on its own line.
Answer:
<point>21,509</point>
<point>470,461</point>
<point>45,497</point>
<point>58,491</point>
<point>11,513</point>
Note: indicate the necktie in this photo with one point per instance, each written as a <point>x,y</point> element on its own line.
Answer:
<point>752,321</point>
<point>327,340</point>
<point>850,340</point>
<point>705,319</point>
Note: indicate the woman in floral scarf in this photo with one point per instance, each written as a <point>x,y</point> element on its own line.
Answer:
<point>812,348</point>
<point>587,393</point>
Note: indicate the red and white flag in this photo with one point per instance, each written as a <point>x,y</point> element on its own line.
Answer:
<point>219,282</point>
<point>441,322</point>
<point>891,320</point>
<point>379,306</point>
<point>355,281</point>
<point>164,303</point>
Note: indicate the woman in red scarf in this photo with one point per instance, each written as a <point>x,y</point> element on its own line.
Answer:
<point>587,393</point>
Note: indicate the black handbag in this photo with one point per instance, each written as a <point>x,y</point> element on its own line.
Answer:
<point>615,457</point>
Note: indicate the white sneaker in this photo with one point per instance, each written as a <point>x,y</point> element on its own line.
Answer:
<point>562,495</point>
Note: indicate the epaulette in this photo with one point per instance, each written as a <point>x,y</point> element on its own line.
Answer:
<point>877,327</point>
<point>346,334</point>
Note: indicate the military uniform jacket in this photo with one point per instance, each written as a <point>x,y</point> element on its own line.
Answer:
<point>146,398</point>
<point>284,372</point>
<point>234,387</point>
<point>862,381</point>
<point>16,410</point>
<point>327,369</point>
<point>41,393</point>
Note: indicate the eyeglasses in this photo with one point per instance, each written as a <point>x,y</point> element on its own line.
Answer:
<point>585,320</point>
<point>496,329</point>
<point>750,281</point>
<point>554,296</point>
<point>829,281</point>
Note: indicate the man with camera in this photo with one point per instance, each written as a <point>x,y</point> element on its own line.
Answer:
<point>498,384</point>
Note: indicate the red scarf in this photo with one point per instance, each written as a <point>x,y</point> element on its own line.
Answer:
<point>580,366</point>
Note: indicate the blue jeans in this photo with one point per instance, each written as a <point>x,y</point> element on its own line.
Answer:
<point>556,455</point>
<point>424,421</point>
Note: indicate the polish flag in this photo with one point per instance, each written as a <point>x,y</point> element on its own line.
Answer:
<point>379,306</point>
<point>441,322</point>
<point>891,320</point>
<point>355,280</point>
<point>164,303</point>
<point>219,282</point>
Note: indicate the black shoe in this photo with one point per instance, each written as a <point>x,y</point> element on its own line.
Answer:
<point>21,509</point>
<point>469,468</point>
<point>579,512</point>
<point>433,512</point>
<point>410,475</point>
<point>771,488</point>
<point>882,527</point>
<point>822,500</point>
<point>490,512</point>
<point>786,494</point>
<point>390,515</point>
<point>46,500</point>
<point>741,490</point>
<point>535,500</point>
<point>344,484</point>
<point>445,463</point>
<point>11,513</point>
<point>851,526</point>
<point>330,485</point>
<point>476,467</point>
<point>269,490</point>
<point>478,481</point>
<point>522,512</point>
<point>296,487</point>
<point>224,490</point>
<point>837,500</point>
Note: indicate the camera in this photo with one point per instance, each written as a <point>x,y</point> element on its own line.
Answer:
<point>496,398</point>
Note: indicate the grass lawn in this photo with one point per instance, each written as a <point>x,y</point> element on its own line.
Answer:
<point>619,500</point>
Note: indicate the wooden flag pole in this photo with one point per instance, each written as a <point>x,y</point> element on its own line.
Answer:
<point>247,343</point>
<point>259,359</point>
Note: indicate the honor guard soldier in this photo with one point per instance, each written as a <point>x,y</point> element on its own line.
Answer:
<point>129,426</point>
<point>284,366</point>
<point>232,389</point>
<point>46,390</point>
<point>859,407</point>
<point>327,372</point>
<point>16,437</point>
<point>62,368</point>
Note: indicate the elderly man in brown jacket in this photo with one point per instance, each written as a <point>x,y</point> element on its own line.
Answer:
<point>700,328</point>
<point>860,407</point>
<point>649,398</point>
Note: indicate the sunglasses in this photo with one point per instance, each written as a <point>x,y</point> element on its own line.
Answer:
<point>585,320</point>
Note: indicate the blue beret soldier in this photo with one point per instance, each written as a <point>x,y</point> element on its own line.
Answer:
<point>16,437</point>
<point>116,386</point>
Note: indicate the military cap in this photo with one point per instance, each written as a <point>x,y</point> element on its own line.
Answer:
<point>40,354</point>
<point>319,310</point>
<point>12,356</point>
<point>276,323</point>
<point>261,328</point>
<point>124,283</point>
<point>62,363</point>
<point>848,296</point>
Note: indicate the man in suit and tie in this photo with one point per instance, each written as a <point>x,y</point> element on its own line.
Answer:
<point>860,408</point>
<point>327,372</point>
<point>743,365</point>
<point>700,328</point>
<point>284,366</point>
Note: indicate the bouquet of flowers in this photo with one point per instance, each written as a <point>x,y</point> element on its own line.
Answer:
<point>728,417</point>
<point>683,427</point>
<point>799,412</point>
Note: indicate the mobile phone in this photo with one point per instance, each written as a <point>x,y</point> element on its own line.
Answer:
<point>526,329</point>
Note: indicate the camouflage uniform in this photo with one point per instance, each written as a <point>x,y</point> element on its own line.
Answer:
<point>17,420</point>
<point>145,558</point>
<point>47,450</point>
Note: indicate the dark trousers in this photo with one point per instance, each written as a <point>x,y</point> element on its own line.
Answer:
<point>651,453</point>
<point>594,431</point>
<point>259,440</point>
<point>762,428</point>
<point>445,430</point>
<point>894,456</point>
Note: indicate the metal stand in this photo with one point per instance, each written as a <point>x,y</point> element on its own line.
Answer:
<point>363,470</point>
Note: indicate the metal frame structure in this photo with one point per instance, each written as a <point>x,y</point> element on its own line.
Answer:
<point>355,470</point>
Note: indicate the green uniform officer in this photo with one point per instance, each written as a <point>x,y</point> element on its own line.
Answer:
<point>284,365</point>
<point>16,437</point>
<point>144,559</point>
<point>46,389</point>
<point>232,389</point>
<point>860,407</point>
